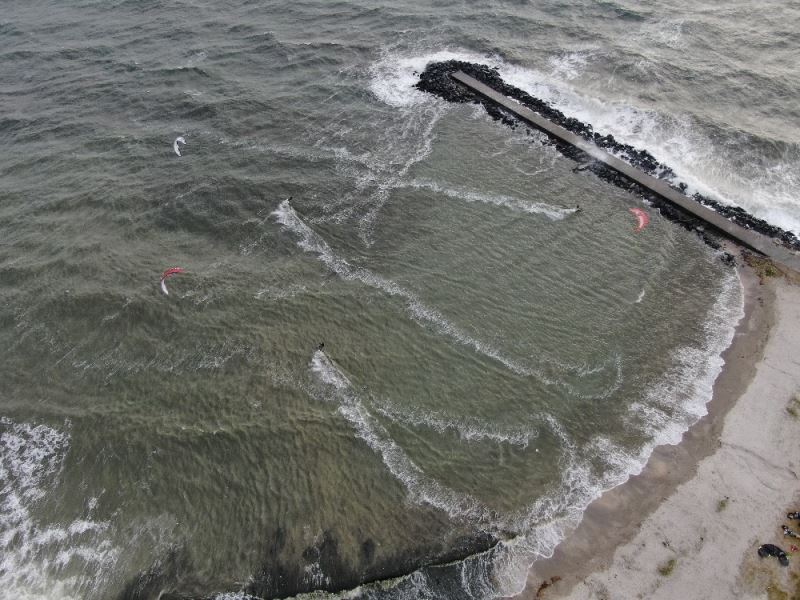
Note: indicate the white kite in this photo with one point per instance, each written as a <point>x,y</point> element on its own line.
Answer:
<point>178,140</point>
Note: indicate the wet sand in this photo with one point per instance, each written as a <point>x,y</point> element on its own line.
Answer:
<point>689,524</point>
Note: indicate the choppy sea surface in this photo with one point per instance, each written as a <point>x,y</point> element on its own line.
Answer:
<point>493,359</point>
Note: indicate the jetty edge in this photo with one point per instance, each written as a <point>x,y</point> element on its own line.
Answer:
<point>639,172</point>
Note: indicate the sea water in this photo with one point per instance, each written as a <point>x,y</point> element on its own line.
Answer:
<point>492,360</point>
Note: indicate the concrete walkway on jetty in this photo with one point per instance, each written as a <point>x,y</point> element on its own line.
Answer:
<point>750,239</point>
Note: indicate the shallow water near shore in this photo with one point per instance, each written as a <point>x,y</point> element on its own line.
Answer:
<point>492,358</point>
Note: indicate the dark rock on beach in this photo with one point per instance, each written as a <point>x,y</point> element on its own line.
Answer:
<point>435,79</point>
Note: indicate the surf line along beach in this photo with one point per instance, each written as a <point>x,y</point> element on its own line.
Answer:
<point>690,523</point>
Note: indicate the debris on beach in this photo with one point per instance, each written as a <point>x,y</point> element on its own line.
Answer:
<point>793,515</point>
<point>788,532</point>
<point>553,580</point>
<point>773,550</point>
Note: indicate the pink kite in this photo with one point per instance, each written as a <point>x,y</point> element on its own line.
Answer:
<point>167,274</point>
<point>641,218</point>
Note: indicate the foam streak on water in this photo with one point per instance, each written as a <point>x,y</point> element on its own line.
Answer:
<point>421,488</point>
<point>468,429</point>
<point>549,351</point>
<point>515,204</point>
<point>674,139</point>
<point>35,555</point>
<point>313,243</point>
<point>502,571</point>
<point>419,152</point>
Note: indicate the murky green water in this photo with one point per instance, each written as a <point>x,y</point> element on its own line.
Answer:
<point>492,359</point>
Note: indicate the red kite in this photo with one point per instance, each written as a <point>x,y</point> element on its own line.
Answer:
<point>641,218</point>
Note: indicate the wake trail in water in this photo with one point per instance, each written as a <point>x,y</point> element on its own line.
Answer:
<point>420,152</point>
<point>515,204</point>
<point>34,556</point>
<point>679,142</point>
<point>312,242</point>
<point>536,528</point>
<point>469,429</point>
<point>422,488</point>
<point>577,488</point>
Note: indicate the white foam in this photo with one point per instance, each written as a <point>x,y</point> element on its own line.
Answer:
<point>468,429</point>
<point>34,555</point>
<point>687,388</point>
<point>394,76</point>
<point>570,65</point>
<point>313,243</point>
<point>421,488</point>
<point>503,571</point>
<point>516,204</point>
<point>667,32</point>
<point>766,189</point>
<point>421,144</point>
<point>681,398</point>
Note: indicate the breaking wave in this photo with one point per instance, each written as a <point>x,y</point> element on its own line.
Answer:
<point>664,414</point>
<point>764,186</point>
<point>36,556</point>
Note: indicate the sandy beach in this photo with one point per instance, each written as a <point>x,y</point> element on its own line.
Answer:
<point>689,525</point>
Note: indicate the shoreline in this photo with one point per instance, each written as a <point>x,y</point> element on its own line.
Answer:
<point>663,516</point>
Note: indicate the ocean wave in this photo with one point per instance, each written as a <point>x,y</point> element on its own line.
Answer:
<point>419,144</point>
<point>394,75</point>
<point>313,243</point>
<point>570,65</point>
<point>35,556</point>
<point>766,185</point>
<point>420,487</point>
<point>588,469</point>
<point>681,397</point>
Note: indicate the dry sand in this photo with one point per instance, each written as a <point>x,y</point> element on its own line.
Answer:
<point>689,525</point>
